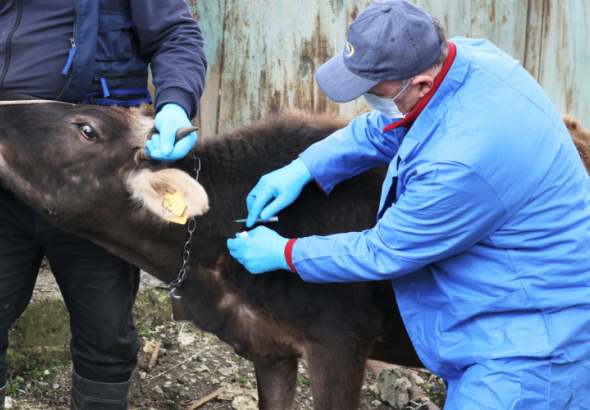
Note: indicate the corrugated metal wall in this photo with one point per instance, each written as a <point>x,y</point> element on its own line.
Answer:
<point>263,53</point>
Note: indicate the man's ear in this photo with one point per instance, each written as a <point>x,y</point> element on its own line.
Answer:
<point>165,193</point>
<point>425,81</point>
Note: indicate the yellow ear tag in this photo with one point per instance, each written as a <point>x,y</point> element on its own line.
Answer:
<point>181,220</point>
<point>176,205</point>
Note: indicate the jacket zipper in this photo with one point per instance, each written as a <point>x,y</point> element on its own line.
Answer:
<point>117,76</point>
<point>8,49</point>
<point>71,56</point>
<point>72,51</point>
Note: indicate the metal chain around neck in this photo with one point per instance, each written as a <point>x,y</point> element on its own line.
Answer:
<point>192,224</point>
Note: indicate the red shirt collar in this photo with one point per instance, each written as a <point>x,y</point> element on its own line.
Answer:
<point>409,119</point>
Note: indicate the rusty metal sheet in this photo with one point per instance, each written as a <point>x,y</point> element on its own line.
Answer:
<point>534,41</point>
<point>211,17</point>
<point>271,51</point>
<point>564,62</point>
<point>503,22</point>
<point>263,53</point>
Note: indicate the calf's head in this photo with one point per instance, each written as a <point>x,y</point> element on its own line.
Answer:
<point>82,161</point>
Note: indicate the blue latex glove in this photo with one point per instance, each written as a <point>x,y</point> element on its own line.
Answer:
<point>283,185</point>
<point>161,147</point>
<point>262,251</point>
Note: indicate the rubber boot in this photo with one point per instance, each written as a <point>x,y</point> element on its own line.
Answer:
<point>2,396</point>
<point>89,395</point>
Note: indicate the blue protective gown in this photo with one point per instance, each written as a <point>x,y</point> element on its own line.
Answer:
<point>485,234</point>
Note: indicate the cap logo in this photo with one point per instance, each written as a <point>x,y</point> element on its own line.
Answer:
<point>349,49</point>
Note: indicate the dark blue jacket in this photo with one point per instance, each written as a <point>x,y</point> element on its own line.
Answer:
<point>113,43</point>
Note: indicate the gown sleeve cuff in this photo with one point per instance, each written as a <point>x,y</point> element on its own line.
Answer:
<point>289,253</point>
<point>310,169</point>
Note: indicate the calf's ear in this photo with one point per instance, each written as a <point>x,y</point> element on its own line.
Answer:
<point>169,194</point>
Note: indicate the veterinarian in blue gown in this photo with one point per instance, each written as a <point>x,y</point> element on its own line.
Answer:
<point>484,223</point>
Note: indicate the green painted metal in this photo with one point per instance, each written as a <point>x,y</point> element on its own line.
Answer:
<point>502,22</point>
<point>564,61</point>
<point>263,53</point>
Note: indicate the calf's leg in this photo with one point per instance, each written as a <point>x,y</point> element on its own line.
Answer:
<point>336,374</point>
<point>277,383</point>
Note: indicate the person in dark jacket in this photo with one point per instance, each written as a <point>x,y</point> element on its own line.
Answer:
<point>94,52</point>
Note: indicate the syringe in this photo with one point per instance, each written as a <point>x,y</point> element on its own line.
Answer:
<point>259,220</point>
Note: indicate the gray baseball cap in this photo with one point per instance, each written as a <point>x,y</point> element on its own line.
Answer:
<point>391,40</point>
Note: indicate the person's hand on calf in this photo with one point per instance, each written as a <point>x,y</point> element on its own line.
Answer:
<point>162,146</point>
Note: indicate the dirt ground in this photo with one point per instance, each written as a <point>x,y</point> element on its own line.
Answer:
<point>190,365</point>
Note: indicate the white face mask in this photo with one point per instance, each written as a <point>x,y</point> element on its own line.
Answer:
<point>385,106</point>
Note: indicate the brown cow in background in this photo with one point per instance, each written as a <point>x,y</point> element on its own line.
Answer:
<point>581,138</point>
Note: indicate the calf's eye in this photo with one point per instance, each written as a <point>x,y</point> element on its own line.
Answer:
<point>87,131</point>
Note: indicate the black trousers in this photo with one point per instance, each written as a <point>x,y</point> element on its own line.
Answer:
<point>98,288</point>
